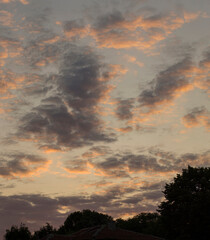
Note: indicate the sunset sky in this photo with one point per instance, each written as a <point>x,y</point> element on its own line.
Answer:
<point>101,104</point>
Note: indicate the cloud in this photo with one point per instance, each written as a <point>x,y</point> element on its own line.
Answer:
<point>10,1</point>
<point>168,85</point>
<point>202,78</point>
<point>22,165</point>
<point>117,166</point>
<point>77,167</point>
<point>118,30</point>
<point>124,108</point>
<point>6,18</point>
<point>75,28</point>
<point>96,151</point>
<point>69,117</point>
<point>115,30</point>
<point>132,59</point>
<point>198,116</point>
<point>128,165</point>
<point>125,129</point>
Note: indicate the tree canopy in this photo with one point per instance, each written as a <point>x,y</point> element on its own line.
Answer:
<point>82,219</point>
<point>43,231</point>
<point>18,233</point>
<point>148,223</point>
<point>185,213</point>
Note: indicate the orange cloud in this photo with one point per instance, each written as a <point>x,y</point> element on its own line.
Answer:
<point>197,117</point>
<point>6,18</point>
<point>125,129</point>
<point>132,59</point>
<point>21,165</point>
<point>139,32</point>
<point>117,31</point>
<point>10,1</point>
<point>202,76</point>
<point>25,2</point>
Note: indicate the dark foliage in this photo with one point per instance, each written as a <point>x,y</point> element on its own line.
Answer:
<point>148,223</point>
<point>43,231</point>
<point>87,218</point>
<point>18,233</point>
<point>186,211</point>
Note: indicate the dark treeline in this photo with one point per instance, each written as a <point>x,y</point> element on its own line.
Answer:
<point>183,215</point>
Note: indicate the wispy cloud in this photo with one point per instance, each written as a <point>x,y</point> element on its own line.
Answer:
<point>198,116</point>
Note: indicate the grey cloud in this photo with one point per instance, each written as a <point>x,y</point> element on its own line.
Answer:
<point>197,116</point>
<point>67,118</point>
<point>124,165</point>
<point>140,197</point>
<point>4,186</point>
<point>153,195</point>
<point>79,78</point>
<point>142,162</point>
<point>20,165</point>
<point>37,54</point>
<point>76,166</point>
<point>206,58</point>
<point>107,20</point>
<point>68,26</point>
<point>124,109</point>
<point>148,186</point>
<point>167,84</point>
<point>35,19</point>
<point>112,166</point>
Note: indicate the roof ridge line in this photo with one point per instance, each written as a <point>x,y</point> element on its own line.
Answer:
<point>97,232</point>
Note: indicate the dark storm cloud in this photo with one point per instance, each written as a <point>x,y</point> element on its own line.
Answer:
<point>168,84</point>
<point>124,109</point>
<point>197,116</point>
<point>68,117</point>
<point>21,165</point>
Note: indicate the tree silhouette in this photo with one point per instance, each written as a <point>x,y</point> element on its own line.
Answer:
<point>18,233</point>
<point>186,211</point>
<point>43,231</point>
<point>148,223</point>
<point>87,218</point>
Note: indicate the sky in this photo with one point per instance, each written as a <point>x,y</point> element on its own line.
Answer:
<point>101,104</point>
